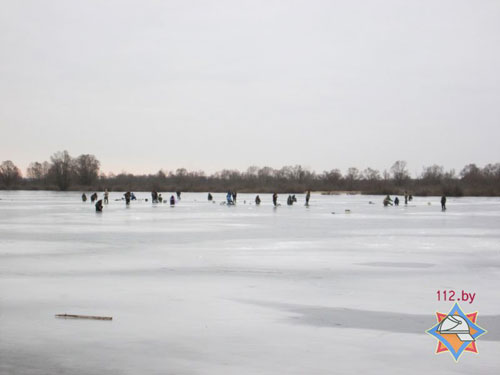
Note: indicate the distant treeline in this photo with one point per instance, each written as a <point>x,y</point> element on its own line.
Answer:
<point>82,173</point>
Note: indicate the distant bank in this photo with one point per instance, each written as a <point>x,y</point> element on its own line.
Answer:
<point>437,191</point>
<point>66,173</point>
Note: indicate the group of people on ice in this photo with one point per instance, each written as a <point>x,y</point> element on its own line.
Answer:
<point>408,198</point>
<point>388,201</point>
<point>99,202</point>
<point>127,197</point>
<point>156,197</point>
<point>231,197</point>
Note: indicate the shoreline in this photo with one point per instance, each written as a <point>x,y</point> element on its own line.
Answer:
<point>249,191</point>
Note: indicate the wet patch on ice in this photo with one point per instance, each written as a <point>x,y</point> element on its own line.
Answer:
<point>397,264</point>
<point>340,317</point>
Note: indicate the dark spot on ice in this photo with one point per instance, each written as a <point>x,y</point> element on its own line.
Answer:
<point>340,317</point>
<point>397,264</point>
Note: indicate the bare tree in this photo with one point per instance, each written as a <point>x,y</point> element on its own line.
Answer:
<point>399,172</point>
<point>38,173</point>
<point>265,172</point>
<point>351,177</point>
<point>252,171</point>
<point>34,171</point>
<point>370,174</point>
<point>386,175</point>
<point>86,168</point>
<point>471,173</point>
<point>181,172</point>
<point>332,176</point>
<point>61,169</point>
<point>9,173</point>
<point>162,176</point>
<point>492,171</point>
<point>433,174</point>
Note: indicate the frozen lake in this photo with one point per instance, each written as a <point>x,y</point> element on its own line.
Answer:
<point>208,289</point>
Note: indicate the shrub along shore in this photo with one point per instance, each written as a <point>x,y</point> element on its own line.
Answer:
<point>82,173</point>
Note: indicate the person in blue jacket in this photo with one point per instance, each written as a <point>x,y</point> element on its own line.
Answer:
<point>229,198</point>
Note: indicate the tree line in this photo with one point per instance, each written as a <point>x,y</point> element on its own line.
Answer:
<point>82,173</point>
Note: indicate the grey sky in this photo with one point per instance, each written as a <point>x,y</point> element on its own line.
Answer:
<point>208,85</point>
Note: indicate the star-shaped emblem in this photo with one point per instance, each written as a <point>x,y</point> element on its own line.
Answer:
<point>456,332</point>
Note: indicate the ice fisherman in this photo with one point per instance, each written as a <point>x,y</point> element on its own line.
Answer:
<point>396,201</point>
<point>106,196</point>
<point>308,196</point>
<point>443,203</point>
<point>210,197</point>
<point>172,200</point>
<point>257,200</point>
<point>93,197</point>
<point>229,198</point>
<point>275,199</point>
<point>84,198</point>
<point>154,197</point>
<point>127,197</point>
<point>98,206</point>
<point>387,201</point>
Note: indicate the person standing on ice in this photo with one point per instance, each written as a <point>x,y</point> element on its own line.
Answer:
<point>106,197</point>
<point>443,203</point>
<point>406,197</point>
<point>257,200</point>
<point>127,197</point>
<point>396,201</point>
<point>229,198</point>
<point>275,199</point>
<point>154,197</point>
<point>178,195</point>
<point>308,196</point>
<point>172,200</point>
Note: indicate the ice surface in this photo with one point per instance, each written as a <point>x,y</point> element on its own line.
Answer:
<point>203,288</point>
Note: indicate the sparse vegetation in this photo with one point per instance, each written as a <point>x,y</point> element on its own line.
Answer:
<point>64,172</point>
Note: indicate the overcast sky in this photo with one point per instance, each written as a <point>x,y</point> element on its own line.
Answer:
<point>209,85</point>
